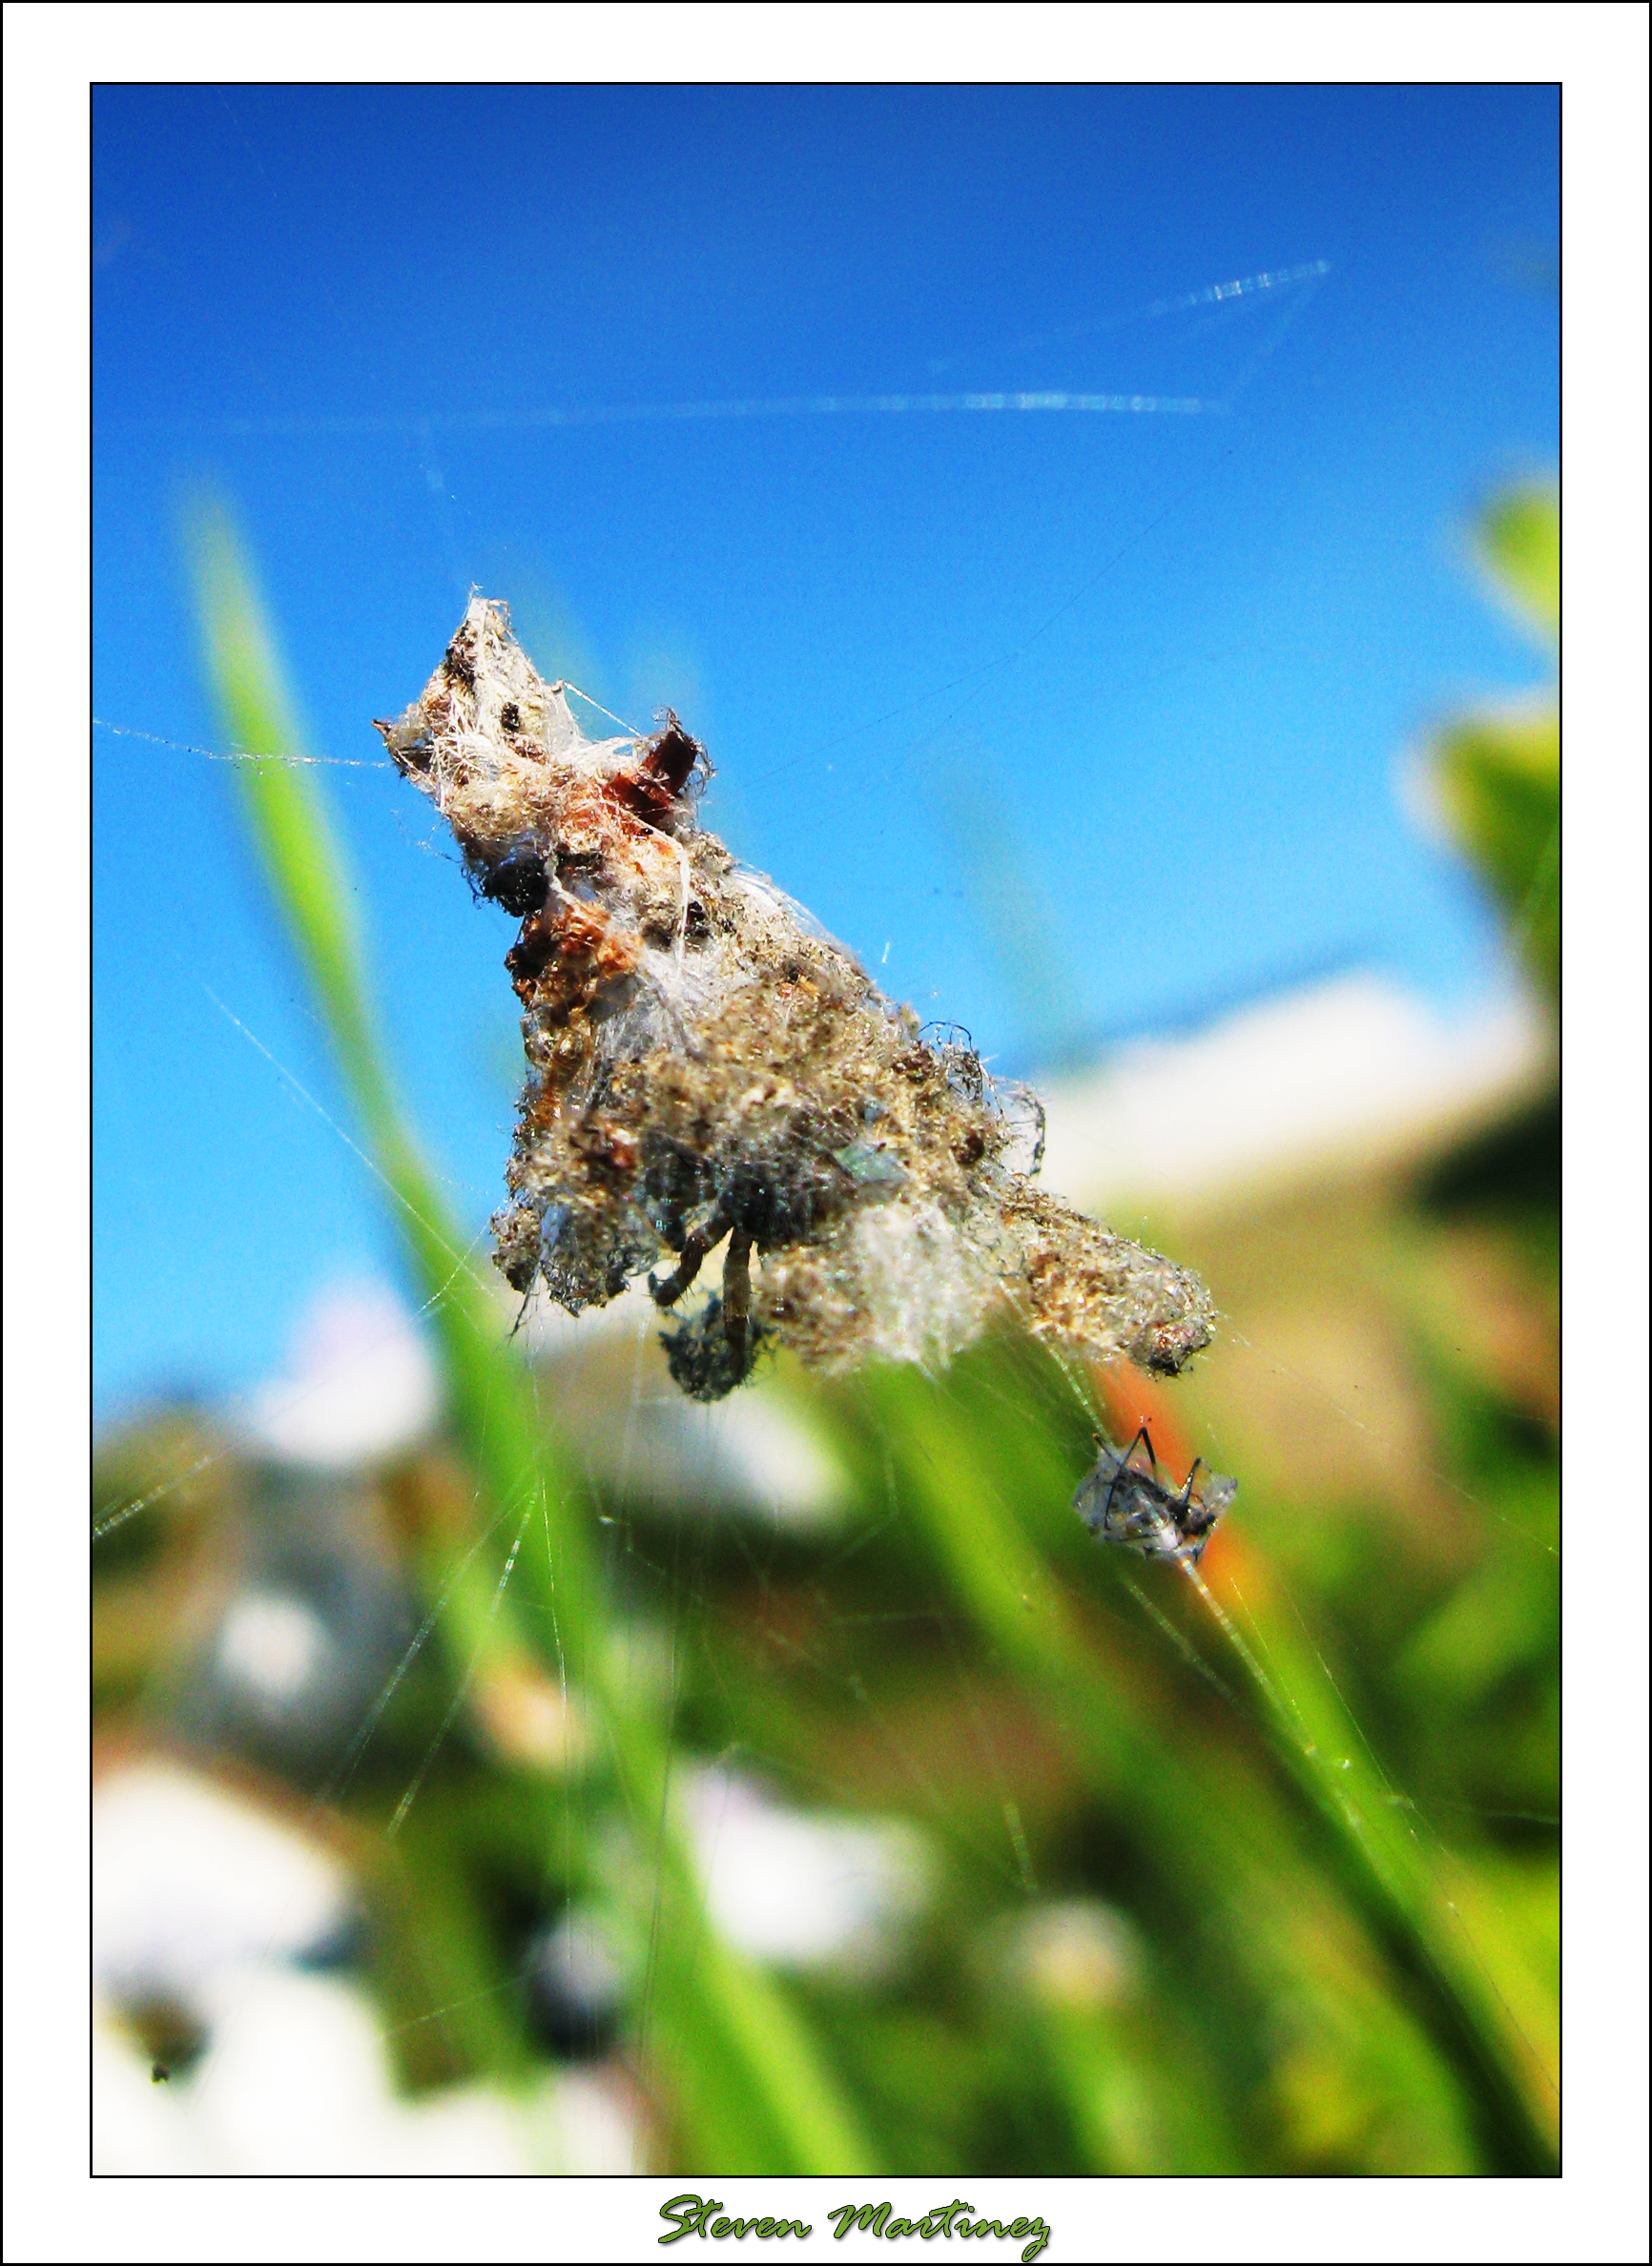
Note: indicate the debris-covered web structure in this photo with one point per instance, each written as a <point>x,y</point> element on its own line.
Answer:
<point>706,1067</point>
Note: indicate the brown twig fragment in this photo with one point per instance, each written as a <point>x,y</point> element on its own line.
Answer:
<point>704,1062</point>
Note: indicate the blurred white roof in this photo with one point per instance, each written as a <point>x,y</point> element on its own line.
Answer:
<point>1355,1070</point>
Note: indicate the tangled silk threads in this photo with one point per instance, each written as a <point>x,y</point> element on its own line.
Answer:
<point>706,1067</point>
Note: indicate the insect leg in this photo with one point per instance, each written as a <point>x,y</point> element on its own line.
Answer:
<point>1119,1472</point>
<point>695,1245</point>
<point>737,1296</point>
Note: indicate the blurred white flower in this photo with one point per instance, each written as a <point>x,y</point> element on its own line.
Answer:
<point>756,1454</point>
<point>202,1903</point>
<point>296,2080</point>
<point>188,1880</point>
<point>271,1646</point>
<point>805,1890</point>
<point>753,1454</point>
<point>361,1386</point>
<point>1080,1955</point>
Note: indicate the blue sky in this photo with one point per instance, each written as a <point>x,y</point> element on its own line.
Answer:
<point>1073,722</point>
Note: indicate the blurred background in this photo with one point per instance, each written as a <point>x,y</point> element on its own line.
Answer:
<point>1107,542</point>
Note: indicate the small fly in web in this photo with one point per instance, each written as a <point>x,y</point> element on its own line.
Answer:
<point>1120,1503</point>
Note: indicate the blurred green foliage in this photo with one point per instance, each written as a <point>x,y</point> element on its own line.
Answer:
<point>1519,539</point>
<point>1260,1877</point>
<point>1499,776</point>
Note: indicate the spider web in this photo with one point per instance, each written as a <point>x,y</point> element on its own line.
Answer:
<point>724,1613</point>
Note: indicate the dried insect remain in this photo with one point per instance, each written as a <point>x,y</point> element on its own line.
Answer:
<point>705,1066</point>
<point>1121,1503</point>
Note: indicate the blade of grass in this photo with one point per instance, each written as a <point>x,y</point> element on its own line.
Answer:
<point>768,2096</point>
<point>1362,1835</point>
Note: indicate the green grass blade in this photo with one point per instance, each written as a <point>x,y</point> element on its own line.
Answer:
<point>740,2047</point>
<point>1364,1836</point>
